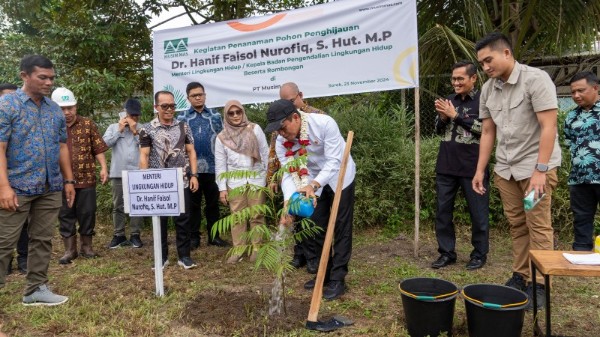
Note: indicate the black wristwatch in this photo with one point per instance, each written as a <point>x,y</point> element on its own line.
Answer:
<point>315,187</point>
<point>197,175</point>
<point>72,182</point>
<point>541,167</point>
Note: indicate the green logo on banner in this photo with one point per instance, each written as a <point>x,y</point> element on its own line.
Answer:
<point>176,46</point>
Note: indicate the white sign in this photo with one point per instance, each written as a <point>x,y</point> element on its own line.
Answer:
<point>153,192</point>
<point>336,48</point>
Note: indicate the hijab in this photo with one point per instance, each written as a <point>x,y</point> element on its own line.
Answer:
<point>239,138</point>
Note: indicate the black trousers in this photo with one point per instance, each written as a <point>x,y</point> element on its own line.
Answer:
<point>82,212</point>
<point>207,187</point>
<point>182,230</point>
<point>337,267</point>
<point>23,244</point>
<point>447,187</point>
<point>584,203</point>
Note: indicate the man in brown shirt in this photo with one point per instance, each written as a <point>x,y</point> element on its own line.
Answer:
<point>85,147</point>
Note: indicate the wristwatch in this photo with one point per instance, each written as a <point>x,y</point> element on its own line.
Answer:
<point>315,187</point>
<point>541,167</point>
<point>194,175</point>
<point>72,182</point>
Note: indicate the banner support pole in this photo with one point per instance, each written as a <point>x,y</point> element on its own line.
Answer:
<point>417,171</point>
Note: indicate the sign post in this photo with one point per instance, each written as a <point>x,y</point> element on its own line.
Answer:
<point>156,193</point>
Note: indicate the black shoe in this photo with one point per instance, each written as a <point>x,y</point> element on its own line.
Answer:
<point>194,244</point>
<point>310,284</point>
<point>334,290</point>
<point>219,242</point>
<point>118,241</point>
<point>516,281</point>
<point>135,240</point>
<point>442,262</point>
<point>298,261</point>
<point>312,266</point>
<point>476,263</point>
<point>9,269</point>
<point>540,292</point>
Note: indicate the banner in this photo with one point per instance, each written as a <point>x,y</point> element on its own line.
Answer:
<point>342,47</point>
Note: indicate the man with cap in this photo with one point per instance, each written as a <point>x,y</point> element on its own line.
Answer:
<point>85,146</point>
<point>320,137</point>
<point>124,140</point>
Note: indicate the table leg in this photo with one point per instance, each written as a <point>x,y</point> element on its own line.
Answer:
<point>548,323</point>
<point>536,328</point>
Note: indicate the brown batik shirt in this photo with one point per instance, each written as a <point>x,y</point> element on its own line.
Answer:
<point>84,142</point>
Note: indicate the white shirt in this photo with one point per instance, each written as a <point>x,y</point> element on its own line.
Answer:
<point>325,154</point>
<point>227,160</point>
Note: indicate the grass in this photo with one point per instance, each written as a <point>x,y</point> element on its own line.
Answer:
<point>114,294</point>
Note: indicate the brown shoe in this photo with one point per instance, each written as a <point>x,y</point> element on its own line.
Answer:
<point>233,259</point>
<point>253,256</point>
<point>86,247</point>
<point>70,250</point>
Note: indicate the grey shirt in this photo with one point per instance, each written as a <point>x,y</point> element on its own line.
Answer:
<point>125,150</point>
<point>513,106</point>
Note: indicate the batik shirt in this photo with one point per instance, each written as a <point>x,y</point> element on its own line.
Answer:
<point>33,135</point>
<point>85,143</point>
<point>459,149</point>
<point>167,145</point>
<point>582,137</point>
<point>205,126</point>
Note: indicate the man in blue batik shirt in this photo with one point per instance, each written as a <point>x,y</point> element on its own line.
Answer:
<point>205,125</point>
<point>582,136</point>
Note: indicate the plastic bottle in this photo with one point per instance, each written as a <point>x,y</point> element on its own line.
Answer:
<point>597,244</point>
<point>528,201</point>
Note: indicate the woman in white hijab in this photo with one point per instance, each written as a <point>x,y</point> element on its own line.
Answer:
<point>241,146</point>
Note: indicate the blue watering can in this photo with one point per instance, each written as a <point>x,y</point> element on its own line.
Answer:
<point>300,205</point>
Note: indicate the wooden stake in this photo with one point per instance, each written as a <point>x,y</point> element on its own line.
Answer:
<point>315,303</point>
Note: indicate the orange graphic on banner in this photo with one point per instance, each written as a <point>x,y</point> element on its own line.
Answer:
<point>242,27</point>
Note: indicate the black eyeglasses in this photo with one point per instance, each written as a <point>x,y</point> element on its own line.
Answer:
<point>197,95</point>
<point>294,99</point>
<point>167,106</point>
<point>234,113</point>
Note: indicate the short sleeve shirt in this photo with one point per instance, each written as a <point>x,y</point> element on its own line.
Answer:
<point>513,106</point>
<point>167,145</point>
<point>84,143</point>
<point>582,136</point>
<point>33,135</point>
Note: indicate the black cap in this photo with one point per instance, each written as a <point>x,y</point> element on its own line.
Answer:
<point>133,107</point>
<point>277,113</point>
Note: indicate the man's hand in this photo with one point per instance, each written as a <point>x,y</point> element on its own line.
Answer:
<point>8,198</point>
<point>123,123</point>
<point>445,107</point>
<point>477,183</point>
<point>309,192</point>
<point>224,197</point>
<point>132,125</point>
<point>193,184</point>
<point>103,176</point>
<point>274,187</point>
<point>537,183</point>
<point>70,194</point>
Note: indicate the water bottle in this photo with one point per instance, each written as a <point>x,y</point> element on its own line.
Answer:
<point>597,244</point>
<point>529,203</point>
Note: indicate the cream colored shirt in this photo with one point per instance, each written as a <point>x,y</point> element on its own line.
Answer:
<point>513,105</point>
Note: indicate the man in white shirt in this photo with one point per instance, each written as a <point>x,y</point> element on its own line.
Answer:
<point>320,137</point>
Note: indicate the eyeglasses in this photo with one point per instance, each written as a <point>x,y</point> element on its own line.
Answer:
<point>293,100</point>
<point>234,113</point>
<point>457,79</point>
<point>167,106</point>
<point>197,95</point>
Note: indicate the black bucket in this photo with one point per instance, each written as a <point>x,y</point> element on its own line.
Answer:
<point>494,310</point>
<point>428,306</point>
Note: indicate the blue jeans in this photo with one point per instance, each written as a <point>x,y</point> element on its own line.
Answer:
<point>447,187</point>
<point>584,202</point>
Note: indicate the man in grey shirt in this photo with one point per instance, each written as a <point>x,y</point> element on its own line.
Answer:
<point>123,138</point>
<point>518,108</point>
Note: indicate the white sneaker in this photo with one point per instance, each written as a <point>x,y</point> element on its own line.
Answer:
<point>187,263</point>
<point>43,296</point>
<point>165,263</point>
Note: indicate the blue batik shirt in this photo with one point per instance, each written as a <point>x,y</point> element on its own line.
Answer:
<point>205,126</point>
<point>582,136</point>
<point>33,135</point>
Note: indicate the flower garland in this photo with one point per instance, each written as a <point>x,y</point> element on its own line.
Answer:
<point>299,173</point>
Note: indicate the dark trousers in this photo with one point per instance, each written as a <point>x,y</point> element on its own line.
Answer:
<point>337,267</point>
<point>182,230</point>
<point>23,244</point>
<point>447,187</point>
<point>82,212</point>
<point>207,186</point>
<point>584,203</point>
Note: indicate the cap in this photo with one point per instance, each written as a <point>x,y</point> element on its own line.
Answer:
<point>277,113</point>
<point>63,97</point>
<point>133,107</point>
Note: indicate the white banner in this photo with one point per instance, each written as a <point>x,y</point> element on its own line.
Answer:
<point>342,47</point>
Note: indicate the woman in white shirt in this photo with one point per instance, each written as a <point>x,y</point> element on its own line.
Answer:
<point>241,146</point>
